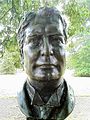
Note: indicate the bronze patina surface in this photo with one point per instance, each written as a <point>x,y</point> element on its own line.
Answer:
<point>42,38</point>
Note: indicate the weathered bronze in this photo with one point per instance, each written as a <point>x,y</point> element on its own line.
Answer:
<point>45,93</point>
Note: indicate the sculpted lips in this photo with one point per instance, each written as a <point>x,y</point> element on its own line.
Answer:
<point>47,71</point>
<point>46,65</point>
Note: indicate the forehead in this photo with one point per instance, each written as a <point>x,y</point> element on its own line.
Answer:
<point>45,26</point>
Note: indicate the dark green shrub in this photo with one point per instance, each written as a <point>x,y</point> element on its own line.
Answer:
<point>7,64</point>
<point>80,60</point>
<point>16,59</point>
<point>10,62</point>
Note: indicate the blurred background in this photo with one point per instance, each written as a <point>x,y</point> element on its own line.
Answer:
<point>12,76</point>
<point>77,14</point>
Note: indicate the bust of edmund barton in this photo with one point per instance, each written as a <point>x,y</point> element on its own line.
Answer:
<point>45,93</point>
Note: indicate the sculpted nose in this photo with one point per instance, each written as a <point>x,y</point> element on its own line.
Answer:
<point>46,48</point>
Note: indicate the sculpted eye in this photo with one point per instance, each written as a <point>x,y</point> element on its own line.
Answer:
<point>31,39</point>
<point>57,39</point>
<point>34,41</point>
<point>61,39</point>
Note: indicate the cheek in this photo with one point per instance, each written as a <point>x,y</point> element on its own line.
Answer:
<point>30,55</point>
<point>60,55</point>
<point>27,54</point>
<point>27,60</point>
<point>60,52</point>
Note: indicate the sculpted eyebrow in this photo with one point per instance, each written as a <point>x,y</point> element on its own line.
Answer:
<point>34,36</point>
<point>54,34</point>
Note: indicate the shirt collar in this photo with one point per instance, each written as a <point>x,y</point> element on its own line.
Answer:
<point>36,99</point>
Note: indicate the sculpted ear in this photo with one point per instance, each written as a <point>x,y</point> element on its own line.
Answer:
<point>64,30</point>
<point>64,27</point>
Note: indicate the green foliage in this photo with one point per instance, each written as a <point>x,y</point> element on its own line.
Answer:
<point>79,45</point>
<point>11,12</point>
<point>80,60</point>
<point>11,58</point>
<point>7,64</point>
<point>78,14</point>
<point>16,59</point>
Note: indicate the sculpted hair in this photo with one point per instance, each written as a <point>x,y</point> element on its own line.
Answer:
<point>47,12</point>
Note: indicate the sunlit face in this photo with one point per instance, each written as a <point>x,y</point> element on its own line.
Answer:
<point>44,54</point>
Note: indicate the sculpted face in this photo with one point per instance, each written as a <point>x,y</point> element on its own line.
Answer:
<point>44,54</point>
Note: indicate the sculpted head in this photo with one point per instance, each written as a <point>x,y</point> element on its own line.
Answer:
<point>42,37</point>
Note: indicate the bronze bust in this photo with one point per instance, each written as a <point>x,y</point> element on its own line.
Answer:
<point>45,93</point>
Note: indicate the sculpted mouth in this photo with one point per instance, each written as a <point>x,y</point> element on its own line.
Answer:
<point>46,65</point>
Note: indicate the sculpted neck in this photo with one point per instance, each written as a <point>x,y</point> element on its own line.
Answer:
<point>47,86</point>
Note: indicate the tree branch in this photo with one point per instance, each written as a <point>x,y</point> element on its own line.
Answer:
<point>5,13</point>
